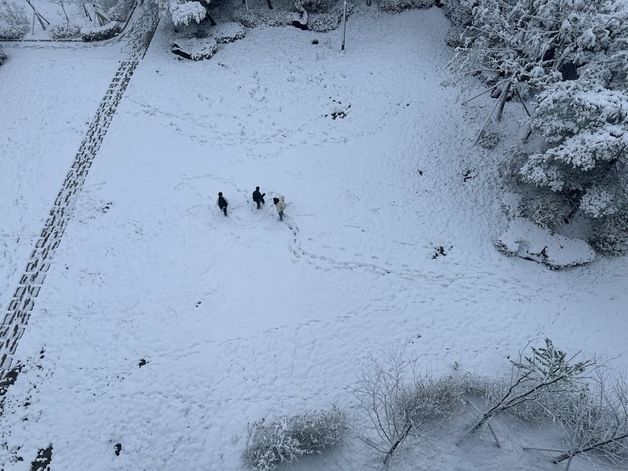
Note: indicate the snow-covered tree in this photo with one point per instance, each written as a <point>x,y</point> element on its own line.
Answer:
<point>533,41</point>
<point>184,12</point>
<point>585,126</point>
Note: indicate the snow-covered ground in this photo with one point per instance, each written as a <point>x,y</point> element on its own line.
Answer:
<point>244,317</point>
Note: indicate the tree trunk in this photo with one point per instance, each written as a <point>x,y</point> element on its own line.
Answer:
<point>572,453</point>
<point>205,4</point>
<point>502,100</point>
<point>397,443</point>
<point>270,5</point>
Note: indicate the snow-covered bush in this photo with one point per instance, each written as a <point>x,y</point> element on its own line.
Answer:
<point>610,234</point>
<point>13,20</point>
<point>101,33</point>
<point>319,22</point>
<point>3,57</point>
<point>195,49</point>
<point>312,6</point>
<point>459,12</point>
<point>596,419</point>
<point>400,5</point>
<point>227,32</point>
<point>546,209</point>
<point>289,438</point>
<point>399,404</point>
<point>64,31</point>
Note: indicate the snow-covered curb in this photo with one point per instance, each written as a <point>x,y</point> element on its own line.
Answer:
<point>531,242</point>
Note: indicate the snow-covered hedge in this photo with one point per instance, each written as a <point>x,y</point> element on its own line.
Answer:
<point>65,31</point>
<point>400,5</point>
<point>227,32</point>
<point>610,234</point>
<point>13,20</point>
<point>195,49</point>
<point>319,22</point>
<point>525,239</point>
<point>289,438</point>
<point>103,32</point>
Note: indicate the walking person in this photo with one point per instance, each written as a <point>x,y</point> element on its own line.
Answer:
<point>280,205</point>
<point>222,203</point>
<point>258,197</point>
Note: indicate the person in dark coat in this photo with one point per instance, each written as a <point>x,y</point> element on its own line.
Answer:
<point>258,197</point>
<point>222,203</point>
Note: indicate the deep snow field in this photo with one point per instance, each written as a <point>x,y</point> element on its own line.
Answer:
<point>245,317</point>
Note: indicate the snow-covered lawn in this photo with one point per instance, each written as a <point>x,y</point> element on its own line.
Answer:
<point>388,242</point>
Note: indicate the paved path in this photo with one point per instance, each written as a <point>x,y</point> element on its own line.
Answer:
<point>140,34</point>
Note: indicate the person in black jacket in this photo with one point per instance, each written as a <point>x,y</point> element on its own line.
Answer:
<point>222,203</point>
<point>258,197</point>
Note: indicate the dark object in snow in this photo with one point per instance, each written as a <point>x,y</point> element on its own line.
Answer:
<point>420,172</point>
<point>8,380</point>
<point>222,203</point>
<point>568,71</point>
<point>117,448</point>
<point>468,175</point>
<point>142,362</point>
<point>258,197</point>
<point>441,251</point>
<point>43,459</point>
<point>314,41</point>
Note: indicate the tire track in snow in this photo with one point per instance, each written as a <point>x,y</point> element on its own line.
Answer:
<point>21,304</point>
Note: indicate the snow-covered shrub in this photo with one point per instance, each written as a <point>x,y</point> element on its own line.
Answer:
<point>319,22</point>
<point>3,57</point>
<point>399,404</point>
<point>454,36</point>
<point>13,20</point>
<point>610,234</point>
<point>459,12</point>
<point>64,31</point>
<point>195,49</point>
<point>488,140</point>
<point>324,22</point>
<point>121,10</point>
<point>227,32</point>
<point>546,209</point>
<point>101,33</point>
<point>400,5</point>
<point>289,438</point>
<point>312,6</point>
<point>596,419</point>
